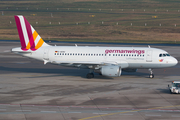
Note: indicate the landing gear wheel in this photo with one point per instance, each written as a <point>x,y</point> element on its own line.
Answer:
<point>151,73</point>
<point>90,75</point>
<point>151,76</point>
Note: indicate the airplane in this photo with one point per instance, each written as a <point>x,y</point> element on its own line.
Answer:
<point>107,61</point>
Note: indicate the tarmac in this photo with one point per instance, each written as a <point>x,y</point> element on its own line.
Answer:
<point>30,90</point>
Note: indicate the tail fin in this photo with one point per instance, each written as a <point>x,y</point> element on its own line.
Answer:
<point>28,36</point>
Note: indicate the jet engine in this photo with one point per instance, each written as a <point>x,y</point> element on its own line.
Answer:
<point>114,71</point>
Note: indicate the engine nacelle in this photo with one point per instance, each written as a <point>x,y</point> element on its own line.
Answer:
<point>113,71</point>
<point>129,70</point>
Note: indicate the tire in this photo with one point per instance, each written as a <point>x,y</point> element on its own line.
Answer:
<point>90,75</point>
<point>151,76</point>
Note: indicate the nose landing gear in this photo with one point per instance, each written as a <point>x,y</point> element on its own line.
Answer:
<point>151,73</point>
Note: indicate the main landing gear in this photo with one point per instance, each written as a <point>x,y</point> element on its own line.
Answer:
<point>151,73</point>
<point>90,74</point>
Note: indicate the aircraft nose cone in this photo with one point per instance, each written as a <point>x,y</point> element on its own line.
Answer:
<point>174,61</point>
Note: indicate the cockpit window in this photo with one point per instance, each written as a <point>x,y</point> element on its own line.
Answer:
<point>164,55</point>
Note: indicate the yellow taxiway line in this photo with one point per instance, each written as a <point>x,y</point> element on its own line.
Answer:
<point>126,112</point>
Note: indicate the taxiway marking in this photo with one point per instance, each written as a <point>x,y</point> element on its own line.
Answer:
<point>126,112</point>
<point>49,111</point>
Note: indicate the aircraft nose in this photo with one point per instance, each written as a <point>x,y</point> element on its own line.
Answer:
<point>173,61</point>
<point>176,62</point>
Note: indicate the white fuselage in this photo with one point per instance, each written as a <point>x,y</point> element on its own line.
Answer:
<point>108,61</point>
<point>126,57</point>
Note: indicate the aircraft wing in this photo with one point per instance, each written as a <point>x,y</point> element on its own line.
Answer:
<point>90,64</point>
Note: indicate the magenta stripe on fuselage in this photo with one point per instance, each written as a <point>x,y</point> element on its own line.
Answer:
<point>21,36</point>
<point>30,35</point>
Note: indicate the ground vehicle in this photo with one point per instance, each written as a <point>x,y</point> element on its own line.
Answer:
<point>175,87</point>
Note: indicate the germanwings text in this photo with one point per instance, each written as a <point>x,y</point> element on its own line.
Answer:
<point>125,51</point>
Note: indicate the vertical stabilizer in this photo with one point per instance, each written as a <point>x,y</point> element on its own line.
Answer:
<point>29,38</point>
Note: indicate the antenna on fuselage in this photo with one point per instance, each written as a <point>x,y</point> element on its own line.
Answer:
<point>149,46</point>
<point>76,45</point>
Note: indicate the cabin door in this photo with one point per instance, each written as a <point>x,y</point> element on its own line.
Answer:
<point>149,56</point>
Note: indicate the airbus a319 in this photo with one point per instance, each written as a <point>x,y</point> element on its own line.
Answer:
<point>107,61</point>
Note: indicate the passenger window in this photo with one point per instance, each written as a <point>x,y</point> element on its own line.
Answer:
<point>91,54</point>
<point>54,53</point>
<point>60,54</point>
<point>99,54</point>
<point>102,54</point>
<point>109,54</point>
<point>57,53</point>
